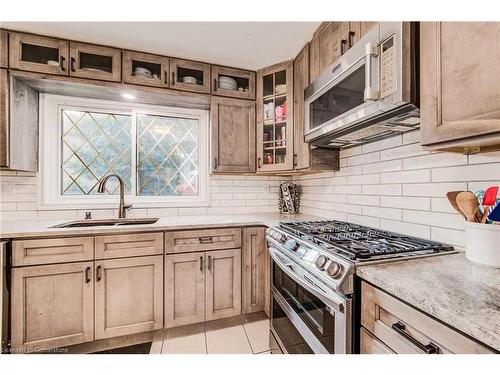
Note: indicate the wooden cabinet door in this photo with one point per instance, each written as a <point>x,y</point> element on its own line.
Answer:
<point>52,305</point>
<point>253,269</point>
<point>232,135</point>
<point>4,118</point>
<point>38,54</point>
<point>223,284</point>
<point>128,245</point>
<point>128,296</point>
<point>459,98</point>
<point>245,79</point>
<point>369,344</point>
<point>327,45</point>
<point>135,63</point>
<point>4,49</point>
<point>184,289</point>
<point>95,62</point>
<point>301,149</point>
<point>180,69</point>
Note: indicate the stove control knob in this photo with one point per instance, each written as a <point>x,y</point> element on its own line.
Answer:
<point>291,244</point>
<point>321,261</point>
<point>334,270</point>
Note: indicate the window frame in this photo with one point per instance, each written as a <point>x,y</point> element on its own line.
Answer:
<point>50,138</point>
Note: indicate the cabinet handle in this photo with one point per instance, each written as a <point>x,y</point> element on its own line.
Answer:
<point>73,64</point>
<point>209,263</point>
<point>201,264</point>
<point>215,84</point>
<point>342,46</point>
<point>87,275</point>
<point>351,38</point>
<point>206,239</point>
<point>430,348</point>
<point>62,59</point>
<point>258,163</point>
<point>98,273</point>
<point>216,164</point>
<point>294,160</point>
<point>173,79</point>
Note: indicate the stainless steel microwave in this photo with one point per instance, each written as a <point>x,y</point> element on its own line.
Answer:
<point>370,93</point>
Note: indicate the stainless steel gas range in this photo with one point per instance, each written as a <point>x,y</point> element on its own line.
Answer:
<point>313,279</point>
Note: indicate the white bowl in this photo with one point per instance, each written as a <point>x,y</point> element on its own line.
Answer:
<point>53,62</point>
<point>228,80</point>
<point>482,243</point>
<point>189,79</point>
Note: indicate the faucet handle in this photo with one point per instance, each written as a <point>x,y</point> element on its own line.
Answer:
<point>127,206</point>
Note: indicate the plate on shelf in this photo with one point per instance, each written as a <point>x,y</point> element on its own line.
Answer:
<point>190,79</point>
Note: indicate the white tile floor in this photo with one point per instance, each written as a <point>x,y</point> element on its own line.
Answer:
<point>247,337</point>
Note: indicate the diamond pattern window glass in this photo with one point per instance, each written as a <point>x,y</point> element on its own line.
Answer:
<point>94,145</point>
<point>167,156</point>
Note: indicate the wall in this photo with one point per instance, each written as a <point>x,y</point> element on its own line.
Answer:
<point>395,185</point>
<point>228,195</point>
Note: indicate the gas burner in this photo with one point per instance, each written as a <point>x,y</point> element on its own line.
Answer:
<point>357,242</point>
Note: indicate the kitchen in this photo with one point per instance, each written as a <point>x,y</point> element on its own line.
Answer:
<point>336,194</point>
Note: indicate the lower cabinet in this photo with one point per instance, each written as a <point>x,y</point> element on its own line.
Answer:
<point>52,306</point>
<point>254,264</point>
<point>128,296</point>
<point>184,289</point>
<point>389,325</point>
<point>223,284</point>
<point>202,286</point>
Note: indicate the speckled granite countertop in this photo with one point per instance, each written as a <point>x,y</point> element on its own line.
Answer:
<point>41,228</point>
<point>450,288</point>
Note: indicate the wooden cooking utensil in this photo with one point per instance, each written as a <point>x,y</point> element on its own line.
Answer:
<point>489,199</point>
<point>452,197</point>
<point>468,204</point>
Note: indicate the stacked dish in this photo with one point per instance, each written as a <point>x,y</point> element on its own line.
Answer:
<point>227,83</point>
<point>140,71</point>
<point>190,79</point>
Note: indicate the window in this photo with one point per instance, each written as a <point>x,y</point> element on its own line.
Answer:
<point>160,153</point>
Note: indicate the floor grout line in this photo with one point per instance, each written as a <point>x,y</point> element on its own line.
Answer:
<point>248,340</point>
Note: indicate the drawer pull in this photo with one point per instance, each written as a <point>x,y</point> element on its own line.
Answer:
<point>201,264</point>
<point>430,348</point>
<point>206,240</point>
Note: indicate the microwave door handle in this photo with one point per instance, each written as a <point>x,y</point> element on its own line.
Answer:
<point>328,300</point>
<point>370,52</point>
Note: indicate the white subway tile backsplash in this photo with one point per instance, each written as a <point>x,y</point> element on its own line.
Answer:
<point>477,172</point>
<point>405,191</point>
<point>423,175</point>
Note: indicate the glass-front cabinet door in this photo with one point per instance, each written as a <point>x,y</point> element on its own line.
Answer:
<point>235,83</point>
<point>189,76</point>
<point>145,69</point>
<point>275,118</point>
<point>38,54</point>
<point>95,62</point>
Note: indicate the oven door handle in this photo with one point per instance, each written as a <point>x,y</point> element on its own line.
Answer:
<point>335,303</point>
<point>370,93</point>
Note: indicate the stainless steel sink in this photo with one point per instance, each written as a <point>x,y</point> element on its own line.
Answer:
<point>107,222</point>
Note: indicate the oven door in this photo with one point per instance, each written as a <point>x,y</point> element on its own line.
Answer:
<point>304,318</point>
<point>345,94</point>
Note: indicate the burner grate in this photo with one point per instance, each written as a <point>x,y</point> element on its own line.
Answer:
<point>360,242</point>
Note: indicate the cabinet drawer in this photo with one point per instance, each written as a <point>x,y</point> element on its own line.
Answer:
<point>52,250</point>
<point>407,331</point>
<point>200,240</point>
<point>128,245</point>
<point>371,345</point>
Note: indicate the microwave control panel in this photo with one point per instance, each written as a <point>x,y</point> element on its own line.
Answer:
<point>388,67</point>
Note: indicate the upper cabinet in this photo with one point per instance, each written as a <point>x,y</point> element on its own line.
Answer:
<point>38,54</point>
<point>232,135</point>
<point>331,40</point>
<point>460,98</point>
<point>275,118</point>
<point>190,76</point>
<point>4,49</point>
<point>232,82</point>
<point>145,69</point>
<point>307,158</point>
<point>95,62</point>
